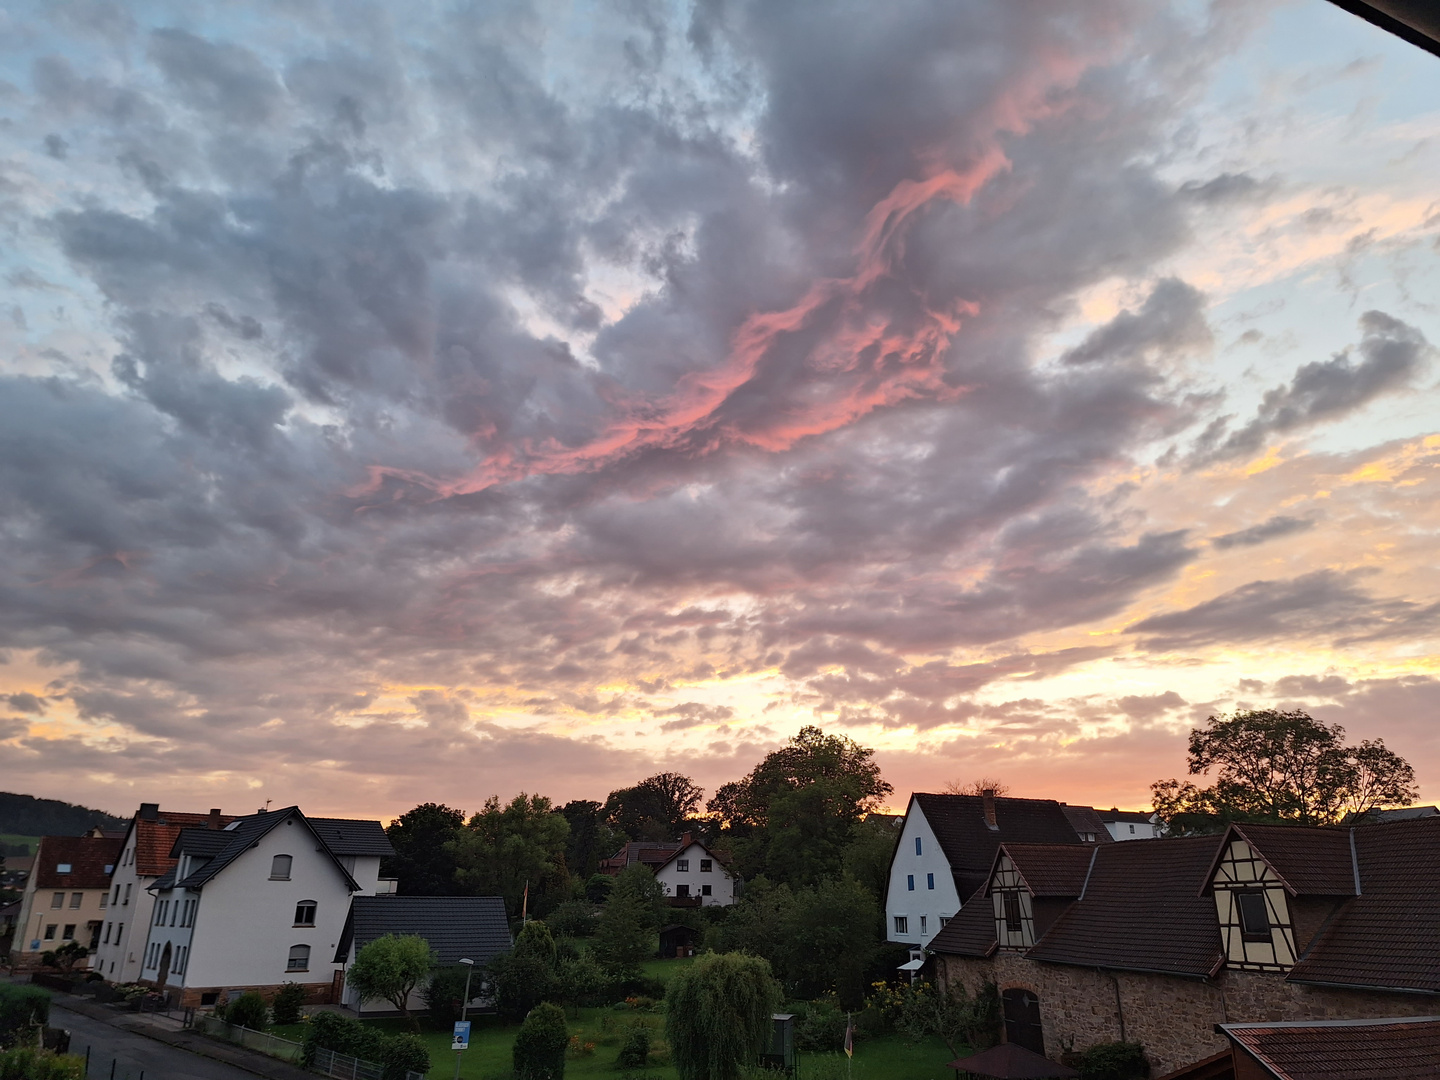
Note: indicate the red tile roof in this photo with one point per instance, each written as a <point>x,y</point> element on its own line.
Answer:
<point>1086,822</point>
<point>154,839</point>
<point>90,859</point>
<point>1310,861</point>
<point>1343,1049</point>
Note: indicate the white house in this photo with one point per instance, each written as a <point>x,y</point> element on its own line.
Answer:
<point>946,849</point>
<point>259,903</point>
<point>686,869</point>
<point>457,928</point>
<point>1132,824</point>
<point>144,858</point>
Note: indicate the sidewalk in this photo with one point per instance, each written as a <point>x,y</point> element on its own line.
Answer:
<point>166,1030</point>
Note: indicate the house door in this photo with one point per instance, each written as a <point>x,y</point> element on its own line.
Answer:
<point>1022,1020</point>
<point>165,968</point>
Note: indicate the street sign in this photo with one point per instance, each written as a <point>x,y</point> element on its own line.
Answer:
<point>461,1039</point>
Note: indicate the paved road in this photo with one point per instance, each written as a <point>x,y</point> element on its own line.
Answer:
<point>133,1053</point>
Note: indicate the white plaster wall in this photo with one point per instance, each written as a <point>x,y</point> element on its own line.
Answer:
<point>722,884</point>
<point>245,924</point>
<point>158,936</point>
<point>1120,830</point>
<point>943,901</point>
<point>365,869</point>
<point>120,960</point>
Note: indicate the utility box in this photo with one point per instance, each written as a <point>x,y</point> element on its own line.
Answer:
<point>781,1054</point>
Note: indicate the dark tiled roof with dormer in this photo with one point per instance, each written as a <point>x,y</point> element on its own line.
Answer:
<point>1310,861</point>
<point>1050,870</point>
<point>968,841</point>
<point>155,837</point>
<point>1142,909</point>
<point>971,932</point>
<point>1087,824</point>
<point>90,861</point>
<point>221,848</point>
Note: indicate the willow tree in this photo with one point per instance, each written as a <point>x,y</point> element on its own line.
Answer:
<point>717,1015</point>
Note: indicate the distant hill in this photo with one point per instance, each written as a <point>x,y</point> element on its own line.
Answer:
<point>29,816</point>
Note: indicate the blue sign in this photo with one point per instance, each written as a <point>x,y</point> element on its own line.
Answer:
<point>461,1039</point>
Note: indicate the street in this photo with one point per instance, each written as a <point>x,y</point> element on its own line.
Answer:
<point>135,1054</point>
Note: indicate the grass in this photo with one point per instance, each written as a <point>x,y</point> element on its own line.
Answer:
<point>16,838</point>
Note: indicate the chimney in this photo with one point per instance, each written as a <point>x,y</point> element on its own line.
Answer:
<point>988,797</point>
<point>214,819</point>
<point>149,811</point>
<point>685,841</point>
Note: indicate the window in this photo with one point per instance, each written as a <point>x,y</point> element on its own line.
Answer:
<point>705,866</point>
<point>160,912</point>
<point>917,845</point>
<point>57,900</point>
<point>120,929</point>
<point>1254,919</point>
<point>305,913</point>
<point>1132,830</point>
<point>69,933</point>
<point>104,899</point>
<point>704,890</point>
<point>682,890</point>
<point>280,871</point>
<point>50,932</point>
<point>683,865</point>
<point>62,868</point>
<point>929,881</point>
<point>109,868</point>
<point>116,898</point>
<point>299,956</point>
<point>127,892</point>
<point>945,921</point>
<point>175,913</point>
<point>922,923</point>
<point>1012,913</point>
<point>76,899</point>
<point>902,924</point>
<point>910,882</point>
<point>107,933</point>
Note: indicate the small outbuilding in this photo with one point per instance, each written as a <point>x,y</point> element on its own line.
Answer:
<point>677,940</point>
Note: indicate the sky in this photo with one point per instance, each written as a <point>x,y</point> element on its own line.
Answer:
<point>418,402</point>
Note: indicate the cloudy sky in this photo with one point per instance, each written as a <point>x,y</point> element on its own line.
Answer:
<point>409,402</point>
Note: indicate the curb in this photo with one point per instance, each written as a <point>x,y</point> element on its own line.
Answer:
<point>199,1045</point>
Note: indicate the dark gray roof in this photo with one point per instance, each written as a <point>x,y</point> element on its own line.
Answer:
<point>958,822</point>
<point>474,927</point>
<point>224,846</point>
<point>345,836</point>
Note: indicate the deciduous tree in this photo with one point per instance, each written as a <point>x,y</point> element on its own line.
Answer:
<point>424,859</point>
<point>506,848</point>
<point>389,969</point>
<point>717,1015</point>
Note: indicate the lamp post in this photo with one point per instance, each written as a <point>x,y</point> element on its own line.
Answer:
<point>464,1004</point>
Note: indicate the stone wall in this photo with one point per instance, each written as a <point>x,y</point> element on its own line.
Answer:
<point>1173,1017</point>
<point>191,996</point>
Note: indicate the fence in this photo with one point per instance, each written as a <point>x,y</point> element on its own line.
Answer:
<point>273,1045</point>
<point>345,1067</point>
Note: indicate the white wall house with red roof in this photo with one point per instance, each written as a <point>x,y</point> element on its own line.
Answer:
<point>694,872</point>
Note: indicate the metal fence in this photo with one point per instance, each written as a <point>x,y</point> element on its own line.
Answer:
<point>345,1067</point>
<point>273,1045</point>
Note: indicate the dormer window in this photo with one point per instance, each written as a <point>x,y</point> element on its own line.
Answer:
<point>62,868</point>
<point>1012,913</point>
<point>280,868</point>
<point>1254,918</point>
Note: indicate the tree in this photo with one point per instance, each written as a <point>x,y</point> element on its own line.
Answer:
<point>657,808</point>
<point>951,1015</point>
<point>591,837</point>
<point>794,815</point>
<point>65,957</point>
<point>424,859</point>
<point>527,974</point>
<point>506,849</point>
<point>756,922</point>
<point>717,1015</point>
<point>1273,765</point>
<point>830,933</point>
<point>539,1051</point>
<point>389,968</point>
<point>625,936</point>
<point>867,857</point>
<point>978,787</point>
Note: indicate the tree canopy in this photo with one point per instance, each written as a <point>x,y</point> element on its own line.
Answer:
<point>717,1015</point>
<point>389,968</point>
<point>424,860</point>
<point>657,808</point>
<point>1273,765</point>
<point>505,848</point>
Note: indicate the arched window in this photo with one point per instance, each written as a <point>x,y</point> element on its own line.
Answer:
<point>280,868</point>
<point>299,958</point>
<point>305,913</point>
<point>1022,1019</point>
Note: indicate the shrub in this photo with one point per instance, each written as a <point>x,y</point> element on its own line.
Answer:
<point>820,1026</point>
<point>522,981</point>
<point>1114,1061</point>
<point>399,1054</point>
<point>574,918</point>
<point>442,994</point>
<point>27,1063</point>
<point>248,1010</point>
<point>635,1053</point>
<point>288,1003</point>
<point>539,1052</point>
<point>22,1009</point>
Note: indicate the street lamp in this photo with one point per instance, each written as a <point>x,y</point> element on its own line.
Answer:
<point>469,969</point>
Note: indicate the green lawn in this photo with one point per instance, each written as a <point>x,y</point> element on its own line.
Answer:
<point>16,838</point>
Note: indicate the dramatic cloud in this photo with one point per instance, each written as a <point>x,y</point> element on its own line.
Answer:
<point>408,408</point>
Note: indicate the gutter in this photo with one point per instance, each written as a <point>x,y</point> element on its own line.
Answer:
<point>1415,21</point>
<point>1365,986</point>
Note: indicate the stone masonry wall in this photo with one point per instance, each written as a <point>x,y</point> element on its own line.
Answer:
<point>1174,1018</point>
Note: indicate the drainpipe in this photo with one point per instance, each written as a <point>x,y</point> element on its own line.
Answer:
<point>1119,1007</point>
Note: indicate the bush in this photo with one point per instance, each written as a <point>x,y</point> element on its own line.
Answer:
<point>443,994</point>
<point>539,1052</point>
<point>27,1063</point>
<point>22,1009</point>
<point>635,1053</point>
<point>288,1004</point>
<point>248,1010</point>
<point>820,1026</point>
<point>574,918</point>
<point>399,1054</point>
<point>1114,1061</point>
